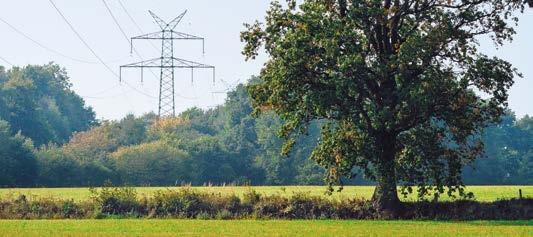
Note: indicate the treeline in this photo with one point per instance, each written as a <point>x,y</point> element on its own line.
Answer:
<point>225,145</point>
<point>49,137</point>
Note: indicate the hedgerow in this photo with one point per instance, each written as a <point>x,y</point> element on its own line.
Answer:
<point>186,203</point>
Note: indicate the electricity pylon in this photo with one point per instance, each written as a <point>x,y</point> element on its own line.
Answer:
<point>167,62</point>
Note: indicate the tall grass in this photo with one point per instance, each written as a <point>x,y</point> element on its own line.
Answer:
<point>482,193</point>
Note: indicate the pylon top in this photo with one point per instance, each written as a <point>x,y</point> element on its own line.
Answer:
<point>167,26</point>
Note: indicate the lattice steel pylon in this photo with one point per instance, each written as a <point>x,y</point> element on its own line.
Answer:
<point>167,63</point>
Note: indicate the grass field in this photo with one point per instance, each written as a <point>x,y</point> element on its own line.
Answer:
<point>482,193</point>
<point>263,228</point>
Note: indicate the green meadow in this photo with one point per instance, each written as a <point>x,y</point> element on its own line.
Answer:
<point>106,228</point>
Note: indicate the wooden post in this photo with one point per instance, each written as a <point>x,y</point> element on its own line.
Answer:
<point>520,193</point>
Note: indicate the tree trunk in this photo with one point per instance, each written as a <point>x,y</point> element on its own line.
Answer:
<point>385,199</point>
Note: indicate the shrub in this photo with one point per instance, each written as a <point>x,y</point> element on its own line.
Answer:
<point>182,203</point>
<point>514,209</point>
<point>116,201</point>
<point>45,208</point>
<point>271,207</point>
<point>304,206</point>
<point>224,215</point>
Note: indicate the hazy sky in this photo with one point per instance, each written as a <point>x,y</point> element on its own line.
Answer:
<point>218,21</point>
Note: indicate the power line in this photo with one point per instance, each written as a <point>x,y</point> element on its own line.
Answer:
<point>81,38</point>
<point>102,97</point>
<point>139,91</point>
<point>116,21</point>
<point>104,91</point>
<point>5,60</point>
<point>135,23</point>
<point>44,46</point>
<point>127,39</point>
<point>90,49</point>
<point>53,51</point>
<point>123,32</point>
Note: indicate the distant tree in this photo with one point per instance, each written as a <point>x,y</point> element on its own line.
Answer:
<point>508,156</point>
<point>204,121</point>
<point>18,167</point>
<point>296,167</point>
<point>155,163</point>
<point>94,144</point>
<point>131,130</point>
<point>57,169</point>
<point>165,128</point>
<point>279,169</point>
<point>38,101</point>
<point>394,81</point>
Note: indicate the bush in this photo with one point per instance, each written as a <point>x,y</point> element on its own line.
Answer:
<point>46,208</point>
<point>514,209</point>
<point>186,203</point>
<point>116,201</point>
<point>304,206</point>
<point>182,203</point>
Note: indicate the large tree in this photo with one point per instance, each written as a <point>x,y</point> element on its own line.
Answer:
<point>400,84</point>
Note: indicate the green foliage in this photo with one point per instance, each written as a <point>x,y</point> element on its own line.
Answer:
<point>44,208</point>
<point>58,168</point>
<point>394,83</point>
<point>38,101</point>
<point>187,203</point>
<point>156,163</point>
<point>18,165</point>
<point>223,145</point>
<point>508,155</point>
<point>116,200</point>
<point>227,146</point>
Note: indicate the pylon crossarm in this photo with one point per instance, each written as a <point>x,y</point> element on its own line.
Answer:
<point>189,64</point>
<point>162,36</point>
<point>153,36</point>
<point>181,36</point>
<point>159,36</point>
<point>177,63</point>
<point>146,63</point>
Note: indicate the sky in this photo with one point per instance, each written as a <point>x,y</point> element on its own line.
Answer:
<point>219,22</point>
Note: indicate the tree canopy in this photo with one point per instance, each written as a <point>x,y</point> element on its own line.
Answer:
<point>38,101</point>
<point>401,87</point>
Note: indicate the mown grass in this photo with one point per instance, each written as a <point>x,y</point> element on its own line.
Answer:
<point>106,228</point>
<point>482,193</point>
